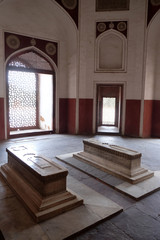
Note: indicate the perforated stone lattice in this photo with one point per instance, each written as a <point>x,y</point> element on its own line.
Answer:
<point>22,99</point>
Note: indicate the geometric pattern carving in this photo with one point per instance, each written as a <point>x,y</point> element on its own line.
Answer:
<point>111,25</point>
<point>31,60</point>
<point>22,99</point>
<point>101,27</point>
<point>33,42</point>
<point>120,26</point>
<point>17,63</point>
<point>20,42</point>
<point>50,48</point>
<point>13,42</point>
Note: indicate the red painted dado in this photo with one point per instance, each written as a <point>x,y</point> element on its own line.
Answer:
<point>71,116</point>
<point>156,119</point>
<point>85,116</point>
<point>67,115</point>
<point>2,132</point>
<point>147,118</point>
<point>63,115</point>
<point>132,122</point>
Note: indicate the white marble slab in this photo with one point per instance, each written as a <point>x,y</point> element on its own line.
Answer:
<point>141,189</point>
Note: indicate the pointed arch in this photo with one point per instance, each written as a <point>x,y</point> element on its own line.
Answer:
<point>111,52</point>
<point>30,92</point>
<point>36,51</point>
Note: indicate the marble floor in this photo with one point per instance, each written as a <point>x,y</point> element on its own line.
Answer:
<point>140,220</point>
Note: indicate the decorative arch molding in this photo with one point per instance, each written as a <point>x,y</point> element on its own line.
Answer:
<point>111,52</point>
<point>15,42</point>
<point>36,51</point>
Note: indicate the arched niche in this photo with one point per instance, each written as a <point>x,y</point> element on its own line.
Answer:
<point>111,48</point>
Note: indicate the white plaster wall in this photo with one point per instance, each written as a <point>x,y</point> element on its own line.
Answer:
<point>152,81</point>
<point>150,70</point>
<point>46,20</point>
<point>152,86</point>
<point>2,87</point>
<point>157,68</point>
<point>86,48</point>
<point>136,30</point>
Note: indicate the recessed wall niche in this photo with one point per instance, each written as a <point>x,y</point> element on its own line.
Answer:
<point>110,52</point>
<point>111,46</point>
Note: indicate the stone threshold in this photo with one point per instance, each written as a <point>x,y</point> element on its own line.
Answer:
<point>136,191</point>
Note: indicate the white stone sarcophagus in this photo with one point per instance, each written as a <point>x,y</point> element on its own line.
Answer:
<point>118,161</point>
<point>39,183</point>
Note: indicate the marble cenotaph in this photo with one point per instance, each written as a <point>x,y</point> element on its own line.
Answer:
<point>39,183</point>
<point>118,161</point>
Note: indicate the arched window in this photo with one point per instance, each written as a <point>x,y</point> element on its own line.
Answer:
<point>30,90</point>
<point>111,52</point>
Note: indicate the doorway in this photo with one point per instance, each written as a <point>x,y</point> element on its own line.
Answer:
<point>109,105</point>
<point>30,95</point>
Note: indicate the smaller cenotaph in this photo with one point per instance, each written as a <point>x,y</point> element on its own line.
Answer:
<point>118,161</point>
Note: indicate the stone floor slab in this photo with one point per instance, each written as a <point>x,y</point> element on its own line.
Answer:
<point>136,191</point>
<point>122,229</point>
<point>104,231</point>
<point>95,209</point>
<point>132,221</point>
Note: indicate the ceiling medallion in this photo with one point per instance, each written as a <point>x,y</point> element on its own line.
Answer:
<point>121,26</point>
<point>69,4</point>
<point>33,42</point>
<point>13,42</point>
<point>101,27</point>
<point>50,48</point>
<point>155,2</point>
